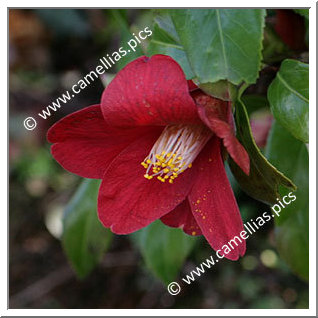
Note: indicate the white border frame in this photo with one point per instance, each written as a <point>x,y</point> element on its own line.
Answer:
<point>160,312</point>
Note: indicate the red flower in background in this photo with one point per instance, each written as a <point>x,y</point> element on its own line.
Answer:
<point>156,143</point>
<point>290,26</point>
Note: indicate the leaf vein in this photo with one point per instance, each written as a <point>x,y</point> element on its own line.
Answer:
<point>279,76</point>
<point>221,39</point>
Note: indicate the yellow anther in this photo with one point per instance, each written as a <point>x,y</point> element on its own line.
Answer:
<point>174,151</point>
<point>145,165</point>
<point>161,179</point>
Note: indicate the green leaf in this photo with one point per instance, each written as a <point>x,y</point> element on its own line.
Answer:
<point>288,95</point>
<point>254,103</point>
<point>292,227</point>
<point>119,16</point>
<point>264,179</point>
<point>164,249</point>
<point>221,44</point>
<point>84,238</point>
<point>164,40</point>
<point>222,89</point>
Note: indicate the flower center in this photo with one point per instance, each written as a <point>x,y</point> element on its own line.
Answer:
<point>175,150</point>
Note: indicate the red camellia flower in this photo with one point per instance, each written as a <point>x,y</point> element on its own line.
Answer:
<point>157,142</point>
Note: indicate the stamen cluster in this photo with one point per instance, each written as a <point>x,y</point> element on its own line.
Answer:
<point>175,151</point>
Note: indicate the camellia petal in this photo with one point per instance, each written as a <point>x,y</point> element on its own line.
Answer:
<point>85,145</point>
<point>216,114</point>
<point>182,217</point>
<point>149,91</point>
<point>127,201</point>
<point>155,141</point>
<point>213,204</point>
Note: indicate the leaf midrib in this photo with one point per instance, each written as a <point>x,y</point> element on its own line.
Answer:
<point>285,83</point>
<point>222,39</point>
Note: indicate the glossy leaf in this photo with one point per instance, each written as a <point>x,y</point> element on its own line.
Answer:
<point>288,95</point>
<point>264,179</point>
<point>84,239</point>
<point>164,249</point>
<point>292,226</point>
<point>221,44</point>
<point>164,40</point>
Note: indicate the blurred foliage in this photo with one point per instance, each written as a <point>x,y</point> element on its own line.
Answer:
<point>164,249</point>
<point>66,22</point>
<point>292,231</point>
<point>84,239</point>
<point>120,17</point>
